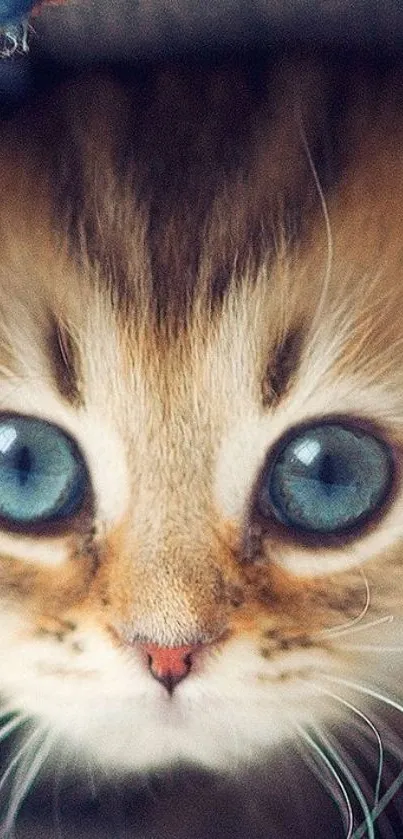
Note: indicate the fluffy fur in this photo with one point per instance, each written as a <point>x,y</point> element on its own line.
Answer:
<point>156,305</point>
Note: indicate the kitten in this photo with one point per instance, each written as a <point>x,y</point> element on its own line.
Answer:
<point>201,427</point>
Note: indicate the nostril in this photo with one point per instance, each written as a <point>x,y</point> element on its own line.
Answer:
<point>188,661</point>
<point>169,665</point>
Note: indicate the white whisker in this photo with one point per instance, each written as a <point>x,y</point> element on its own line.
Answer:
<point>343,627</point>
<point>7,825</point>
<point>17,757</point>
<point>353,784</point>
<point>397,783</point>
<point>390,771</point>
<point>315,765</point>
<point>375,731</point>
<point>371,648</point>
<point>351,628</point>
<point>382,804</point>
<point>364,690</point>
<point>334,774</point>
<point>393,742</point>
<point>329,239</point>
<point>11,726</point>
<point>395,748</point>
<point>28,772</point>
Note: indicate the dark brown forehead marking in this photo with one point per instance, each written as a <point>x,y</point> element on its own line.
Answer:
<point>65,360</point>
<point>283,366</point>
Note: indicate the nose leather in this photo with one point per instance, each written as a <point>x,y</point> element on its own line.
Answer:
<point>169,665</point>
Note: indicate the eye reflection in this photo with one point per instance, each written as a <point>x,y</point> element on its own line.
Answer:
<point>307,451</point>
<point>8,435</point>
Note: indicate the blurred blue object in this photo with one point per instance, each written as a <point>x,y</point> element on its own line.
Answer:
<point>12,11</point>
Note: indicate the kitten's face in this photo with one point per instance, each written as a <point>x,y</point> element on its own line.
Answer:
<point>175,535</point>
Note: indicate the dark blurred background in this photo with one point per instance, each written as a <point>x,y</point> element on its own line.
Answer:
<point>87,31</point>
<point>112,28</point>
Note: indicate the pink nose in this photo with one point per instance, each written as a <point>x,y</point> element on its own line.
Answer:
<point>169,665</point>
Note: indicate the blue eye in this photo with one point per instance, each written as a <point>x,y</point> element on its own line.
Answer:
<point>42,474</point>
<point>327,478</point>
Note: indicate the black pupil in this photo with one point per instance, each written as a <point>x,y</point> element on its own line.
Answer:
<point>23,464</point>
<point>333,470</point>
